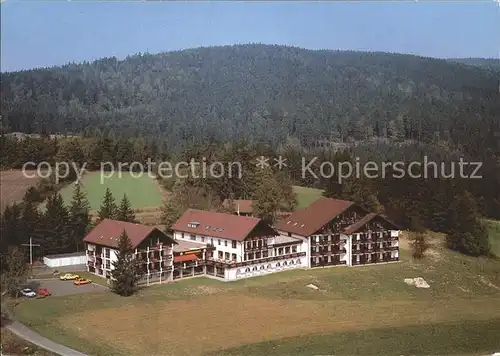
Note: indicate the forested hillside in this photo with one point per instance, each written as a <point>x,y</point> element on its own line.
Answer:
<point>260,92</point>
<point>486,63</point>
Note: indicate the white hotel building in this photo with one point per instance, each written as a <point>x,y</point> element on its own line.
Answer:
<point>329,232</point>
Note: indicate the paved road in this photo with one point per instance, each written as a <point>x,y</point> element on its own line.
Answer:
<point>29,335</point>
<point>56,287</point>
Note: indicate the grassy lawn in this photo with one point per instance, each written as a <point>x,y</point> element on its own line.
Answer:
<point>142,192</point>
<point>306,196</point>
<point>431,339</point>
<point>361,310</point>
<point>494,233</point>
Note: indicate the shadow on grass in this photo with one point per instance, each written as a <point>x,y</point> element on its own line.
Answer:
<point>465,337</point>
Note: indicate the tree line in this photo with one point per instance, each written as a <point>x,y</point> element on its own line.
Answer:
<point>57,227</point>
<point>264,93</point>
<point>454,206</point>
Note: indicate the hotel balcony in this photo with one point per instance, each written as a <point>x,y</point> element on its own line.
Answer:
<point>226,263</point>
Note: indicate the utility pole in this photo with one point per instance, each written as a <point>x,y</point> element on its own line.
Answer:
<point>31,244</point>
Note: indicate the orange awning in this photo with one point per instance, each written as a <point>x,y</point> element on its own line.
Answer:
<point>185,258</point>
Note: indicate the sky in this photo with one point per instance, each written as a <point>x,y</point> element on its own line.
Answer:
<point>47,33</point>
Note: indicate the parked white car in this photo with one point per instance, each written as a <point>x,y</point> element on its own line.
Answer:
<point>28,293</point>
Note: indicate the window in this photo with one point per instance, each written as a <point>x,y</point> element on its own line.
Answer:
<point>285,263</point>
<point>294,248</point>
<point>259,243</point>
<point>250,256</point>
<point>225,243</point>
<point>289,234</point>
<point>106,251</point>
<point>265,254</point>
<point>233,256</point>
<point>262,267</point>
<point>257,255</point>
<point>219,254</point>
<point>280,251</point>
<point>254,269</point>
<point>108,265</point>
<point>287,250</point>
<point>219,242</point>
<point>298,261</point>
<point>277,264</point>
<point>254,244</point>
<point>202,238</point>
<point>192,237</point>
<point>247,269</point>
<point>269,266</point>
<point>182,235</point>
<point>292,262</point>
<point>245,257</point>
<point>226,256</point>
<point>249,244</point>
<point>233,244</point>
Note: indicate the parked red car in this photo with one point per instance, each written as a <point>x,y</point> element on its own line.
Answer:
<point>44,292</point>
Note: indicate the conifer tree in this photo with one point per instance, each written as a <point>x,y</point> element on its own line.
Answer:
<point>56,232</point>
<point>14,272</point>
<point>79,217</point>
<point>126,270</point>
<point>125,211</point>
<point>108,209</point>
<point>468,233</point>
<point>267,199</point>
<point>32,194</point>
<point>11,232</point>
<point>30,221</point>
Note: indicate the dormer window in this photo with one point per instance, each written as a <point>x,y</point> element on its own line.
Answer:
<point>193,224</point>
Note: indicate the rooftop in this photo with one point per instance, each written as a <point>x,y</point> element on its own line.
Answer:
<point>278,240</point>
<point>108,232</point>
<point>63,255</point>
<point>221,225</point>
<point>307,221</point>
<point>239,205</point>
<point>183,246</point>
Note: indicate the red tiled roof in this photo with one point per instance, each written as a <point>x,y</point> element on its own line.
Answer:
<point>359,224</point>
<point>211,223</point>
<point>351,229</point>
<point>307,221</point>
<point>108,232</point>
<point>185,258</point>
<point>244,206</point>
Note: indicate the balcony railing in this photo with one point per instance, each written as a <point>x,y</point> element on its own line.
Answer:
<point>325,263</point>
<point>225,263</point>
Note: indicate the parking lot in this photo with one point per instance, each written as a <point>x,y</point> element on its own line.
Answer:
<point>60,288</point>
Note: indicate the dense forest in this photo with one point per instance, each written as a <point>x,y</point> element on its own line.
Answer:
<point>261,92</point>
<point>236,103</point>
<point>486,63</point>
